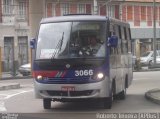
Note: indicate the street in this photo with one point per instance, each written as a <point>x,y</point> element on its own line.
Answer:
<point>22,101</point>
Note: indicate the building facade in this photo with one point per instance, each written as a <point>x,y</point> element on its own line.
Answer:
<point>14,32</point>
<point>49,8</point>
<point>19,21</point>
<point>139,14</point>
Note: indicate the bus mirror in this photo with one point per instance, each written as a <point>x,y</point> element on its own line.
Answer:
<point>32,43</point>
<point>113,41</point>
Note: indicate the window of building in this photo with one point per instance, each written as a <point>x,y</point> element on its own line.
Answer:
<point>103,10</point>
<point>22,9</point>
<point>143,13</point>
<point>149,16</point>
<point>8,53</point>
<point>81,8</point>
<point>22,50</point>
<point>111,11</point>
<point>65,8</point>
<point>129,13</point>
<point>7,7</point>
<point>50,11</point>
<point>88,9</point>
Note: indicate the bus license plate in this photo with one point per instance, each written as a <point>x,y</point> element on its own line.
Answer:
<point>68,88</point>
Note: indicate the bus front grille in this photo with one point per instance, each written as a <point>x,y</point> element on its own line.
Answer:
<point>70,93</point>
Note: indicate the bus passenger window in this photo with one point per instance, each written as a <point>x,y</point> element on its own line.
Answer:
<point>120,35</point>
<point>112,30</point>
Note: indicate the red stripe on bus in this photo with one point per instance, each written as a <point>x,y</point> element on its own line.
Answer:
<point>45,73</point>
<point>64,74</point>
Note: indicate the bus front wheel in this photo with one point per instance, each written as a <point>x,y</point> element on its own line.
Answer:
<point>108,101</point>
<point>47,103</point>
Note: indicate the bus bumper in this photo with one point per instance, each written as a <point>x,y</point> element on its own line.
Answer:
<point>72,91</point>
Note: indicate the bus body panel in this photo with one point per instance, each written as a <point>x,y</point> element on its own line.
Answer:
<point>100,89</point>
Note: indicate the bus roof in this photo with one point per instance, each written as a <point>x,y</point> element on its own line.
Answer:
<point>77,17</point>
<point>74,18</point>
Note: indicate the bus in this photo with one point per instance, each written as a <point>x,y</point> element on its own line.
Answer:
<point>82,57</point>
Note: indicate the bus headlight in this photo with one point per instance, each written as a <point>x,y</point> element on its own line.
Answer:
<point>39,77</point>
<point>100,75</point>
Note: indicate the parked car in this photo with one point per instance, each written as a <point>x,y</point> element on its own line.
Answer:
<point>157,61</point>
<point>25,69</point>
<point>147,58</point>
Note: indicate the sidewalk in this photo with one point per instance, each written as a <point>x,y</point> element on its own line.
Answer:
<point>146,69</point>
<point>8,86</point>
<point>7,75</point>
<point>8,82</point>
<point>153,95</point>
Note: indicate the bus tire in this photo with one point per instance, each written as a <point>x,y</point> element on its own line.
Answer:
<point>108,101</point>
<point>121,95</point>
<point>47,103</point>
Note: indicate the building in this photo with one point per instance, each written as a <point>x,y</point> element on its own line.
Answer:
<point>20,18</point>
<point>14,32</point>
<point>49,8</point>
<point>139,13</point>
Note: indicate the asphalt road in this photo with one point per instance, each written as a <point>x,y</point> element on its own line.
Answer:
<point>23,103</point>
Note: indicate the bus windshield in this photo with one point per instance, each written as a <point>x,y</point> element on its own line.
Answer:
<point>65,40</point>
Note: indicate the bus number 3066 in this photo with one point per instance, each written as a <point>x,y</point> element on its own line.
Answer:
<point>84,72</point>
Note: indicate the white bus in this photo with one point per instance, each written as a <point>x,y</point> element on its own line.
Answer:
<point>82,57</point>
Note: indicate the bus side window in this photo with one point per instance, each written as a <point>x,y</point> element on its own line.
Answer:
<point>119,41</point>
<point>124,41</point>
<point>128,39</point>
<point>112,32</point>
<point>119,30</point>
<point>120,38</point>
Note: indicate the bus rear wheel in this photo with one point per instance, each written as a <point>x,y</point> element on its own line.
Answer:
<point>47,103</point>
<point>121,95</point>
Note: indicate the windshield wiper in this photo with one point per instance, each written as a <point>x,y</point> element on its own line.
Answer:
<point>58,47</point>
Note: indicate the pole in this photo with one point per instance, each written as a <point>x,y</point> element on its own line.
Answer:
<point>154,31</point>
<point>0,63</point>
<point>31,59</point>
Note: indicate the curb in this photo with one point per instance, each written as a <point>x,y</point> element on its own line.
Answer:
<point>17,77</point>
<point>150,96</point>
<point>146,70</point>
<point>8,86</point>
